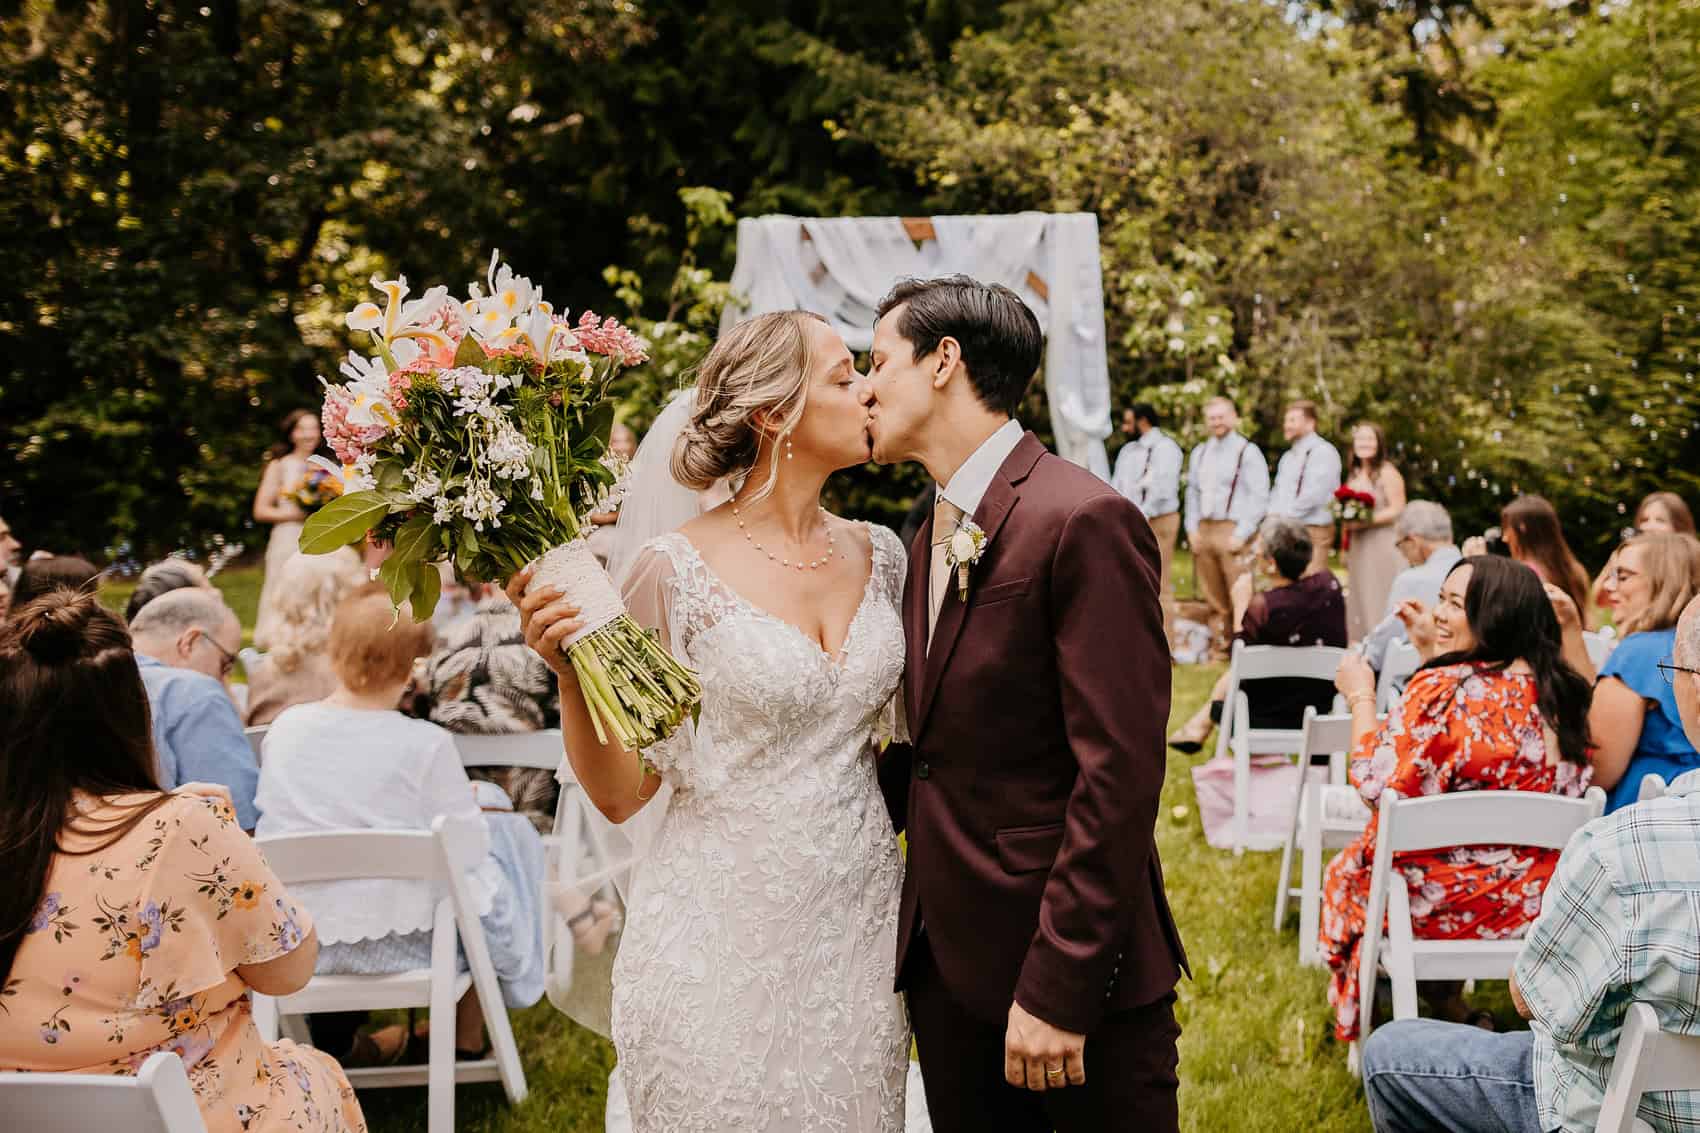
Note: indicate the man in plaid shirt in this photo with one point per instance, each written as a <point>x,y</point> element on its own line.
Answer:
<point>1619,924</point>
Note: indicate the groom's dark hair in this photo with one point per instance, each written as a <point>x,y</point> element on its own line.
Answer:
<point>999,334</point>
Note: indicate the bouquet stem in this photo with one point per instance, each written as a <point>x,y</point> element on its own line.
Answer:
<point>634,690</point>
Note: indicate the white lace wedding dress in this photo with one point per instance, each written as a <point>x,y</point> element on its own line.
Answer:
<point>753,986</point>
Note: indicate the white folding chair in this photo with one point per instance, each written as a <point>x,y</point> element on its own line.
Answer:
<point>157,1100</point>
<point>1599,644</point>
<point>440,858</point>
<point>1652,786</point>
<point>1433,822</point>
<point>1649,1061</point>
<point>1327,815</point>
<point>1397,664</point>
<point>1257,662</point>
<point>257,738</point>
<point>541,750</point>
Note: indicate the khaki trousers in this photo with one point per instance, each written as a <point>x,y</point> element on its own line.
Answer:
<point>1167,528</point>
<point>1321,542</point>
<point>1217,566</point>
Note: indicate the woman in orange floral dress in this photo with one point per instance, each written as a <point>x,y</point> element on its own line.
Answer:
<point>1495,708</point>
<point>135,921</point>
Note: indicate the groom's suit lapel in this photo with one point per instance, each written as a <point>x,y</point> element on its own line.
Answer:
<point>995,506</point>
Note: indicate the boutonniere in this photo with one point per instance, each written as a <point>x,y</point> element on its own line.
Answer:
<point>962,550</point>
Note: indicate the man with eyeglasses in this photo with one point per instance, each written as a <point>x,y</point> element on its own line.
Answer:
<point>1617,926</point>
<point>1424,534</point>
<point>185,643</point>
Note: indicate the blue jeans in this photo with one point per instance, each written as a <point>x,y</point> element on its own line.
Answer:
<point>1423,1075</point>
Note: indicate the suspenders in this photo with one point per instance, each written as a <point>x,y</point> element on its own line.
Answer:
<point>1228,508</point>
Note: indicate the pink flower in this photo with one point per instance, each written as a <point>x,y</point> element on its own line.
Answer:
<point>608,337</point>
<point>349,442</point>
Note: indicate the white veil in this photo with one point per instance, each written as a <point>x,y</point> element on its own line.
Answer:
<point>594,857</point>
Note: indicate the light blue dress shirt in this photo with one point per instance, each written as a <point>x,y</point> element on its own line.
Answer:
<point>198,735</point>
<point>1227,479</point>
<point>1421,582</point>
<point>1305,481</point>
<point>1148,472</point>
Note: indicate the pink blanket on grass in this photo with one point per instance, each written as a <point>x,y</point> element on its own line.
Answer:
<point>1273,780</point>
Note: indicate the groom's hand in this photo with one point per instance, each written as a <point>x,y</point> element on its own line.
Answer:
<point>1038,1056</point>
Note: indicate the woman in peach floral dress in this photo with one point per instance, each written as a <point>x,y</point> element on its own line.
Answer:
<point>135,921</point>
<point>1495,708</point>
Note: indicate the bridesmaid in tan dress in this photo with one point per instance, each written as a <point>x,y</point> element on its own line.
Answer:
<point>1373,559</point>
<point>286,465</point>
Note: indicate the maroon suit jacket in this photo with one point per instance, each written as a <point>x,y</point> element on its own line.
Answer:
<point>1029,789</point>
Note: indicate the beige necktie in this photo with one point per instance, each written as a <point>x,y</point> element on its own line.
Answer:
<point>946,516</point>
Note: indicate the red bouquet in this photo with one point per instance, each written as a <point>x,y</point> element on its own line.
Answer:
<point>1351,506</point>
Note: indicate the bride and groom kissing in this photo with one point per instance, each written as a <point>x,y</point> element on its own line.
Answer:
<point>777,947</point>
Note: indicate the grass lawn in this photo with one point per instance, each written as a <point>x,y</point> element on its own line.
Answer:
<point>1256,1053</point>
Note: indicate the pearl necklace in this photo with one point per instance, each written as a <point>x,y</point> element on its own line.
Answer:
<point>814,564</point>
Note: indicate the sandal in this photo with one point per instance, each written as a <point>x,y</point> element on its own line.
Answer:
<point>367,1051</point>
<point>1483,1018</point>
<point>591,921</point>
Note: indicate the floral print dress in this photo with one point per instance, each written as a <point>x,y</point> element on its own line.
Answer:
<point>134,949</point>
<point>1460,728</point>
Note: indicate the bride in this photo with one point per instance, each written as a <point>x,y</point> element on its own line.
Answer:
<point>753,986</point>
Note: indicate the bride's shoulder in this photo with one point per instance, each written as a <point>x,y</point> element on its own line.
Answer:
<point>884,544</point>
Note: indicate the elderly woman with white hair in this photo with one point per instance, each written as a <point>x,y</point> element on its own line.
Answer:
<point>297,669</point>
<point>1296,609</point>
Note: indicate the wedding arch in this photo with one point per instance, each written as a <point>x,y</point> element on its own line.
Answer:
<point>840,268</point>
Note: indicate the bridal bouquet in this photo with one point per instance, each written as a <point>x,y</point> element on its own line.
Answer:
<point>477,433</point>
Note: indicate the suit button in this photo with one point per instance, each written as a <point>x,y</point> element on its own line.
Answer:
<point>922,770</point>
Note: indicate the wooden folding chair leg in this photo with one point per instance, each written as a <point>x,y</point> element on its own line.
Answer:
<point>440,1079</point>
<point>1283,887</point>
<point>1310,883</point>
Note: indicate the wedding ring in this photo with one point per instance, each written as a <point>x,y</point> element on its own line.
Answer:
<point>1053,1072</point>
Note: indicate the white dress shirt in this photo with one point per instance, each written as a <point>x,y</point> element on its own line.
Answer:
<point>968,486</point>
<point>1148,472</point>
<point>1227,479</point>
<point>1305,481</point>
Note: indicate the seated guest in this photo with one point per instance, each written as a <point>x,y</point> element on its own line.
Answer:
<point>53,572</point>
<point>353,761</point>
<point>1535,538</point>
<point>186,644</point>
<point>162,578</point>
<point>1634,720</point>
<point>1496,709</point>
<point>1661,513</point>
<point>1423,534</point>
<point>1625,884</point>
<point>1298,609</point>
<point>135,921</point>
<point>297,670</point>
<point>483,679</point>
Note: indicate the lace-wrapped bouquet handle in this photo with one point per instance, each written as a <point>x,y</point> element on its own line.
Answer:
<point>477,434</point>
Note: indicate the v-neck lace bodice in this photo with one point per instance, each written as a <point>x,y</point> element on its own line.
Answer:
<point>753,986</point>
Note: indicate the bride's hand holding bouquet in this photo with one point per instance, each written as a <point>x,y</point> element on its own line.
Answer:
<point>477,434</point>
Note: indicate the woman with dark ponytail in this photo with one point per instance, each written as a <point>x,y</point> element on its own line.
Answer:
<point>132,920</point>
<point>1494,707</point>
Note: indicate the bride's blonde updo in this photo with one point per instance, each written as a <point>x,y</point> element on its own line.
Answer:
<point>759,366</point>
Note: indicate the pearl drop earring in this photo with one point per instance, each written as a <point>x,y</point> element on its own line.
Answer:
<point>789,455</point>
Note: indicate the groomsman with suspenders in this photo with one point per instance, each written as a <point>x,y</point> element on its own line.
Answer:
<point>1227,490</point>
<point>1148,472</point>
<point>1306,479</point>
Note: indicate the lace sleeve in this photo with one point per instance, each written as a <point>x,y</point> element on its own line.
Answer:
<point>654,596</point>
<point>891,566</point>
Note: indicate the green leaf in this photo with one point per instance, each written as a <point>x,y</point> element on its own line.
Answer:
<point>413,540</point>
<point>389,477</point>
<point>469,353</point>
<point>399,578</point>
<point>427,587</point>
<point>344,520</point>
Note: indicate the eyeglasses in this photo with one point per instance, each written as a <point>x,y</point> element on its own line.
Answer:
<point>227,662</point>
<point>1669,669</point>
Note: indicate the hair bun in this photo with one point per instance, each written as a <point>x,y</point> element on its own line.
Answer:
<point>54,628</point>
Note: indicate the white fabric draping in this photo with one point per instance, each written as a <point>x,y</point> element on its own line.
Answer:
<point>846,264</point>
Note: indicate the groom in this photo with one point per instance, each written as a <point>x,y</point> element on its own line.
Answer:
<point>1035,945</point>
